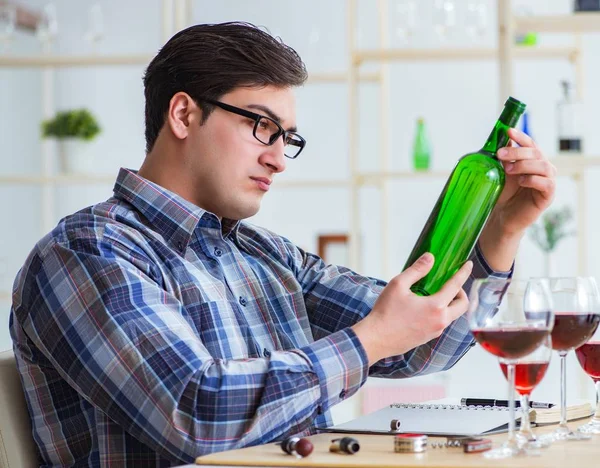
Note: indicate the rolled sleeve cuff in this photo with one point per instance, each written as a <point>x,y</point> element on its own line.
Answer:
<point>481,268</point>
<point>341,364</point>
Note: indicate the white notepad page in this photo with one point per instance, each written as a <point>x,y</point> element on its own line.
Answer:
<point>432,419</point>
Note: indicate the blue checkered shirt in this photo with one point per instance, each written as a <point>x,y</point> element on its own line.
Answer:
<point>148,332</point>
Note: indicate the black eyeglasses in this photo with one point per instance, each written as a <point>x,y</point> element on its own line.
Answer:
<point>266,130</point>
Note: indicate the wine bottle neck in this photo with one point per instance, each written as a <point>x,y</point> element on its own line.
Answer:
<point>511,113</point>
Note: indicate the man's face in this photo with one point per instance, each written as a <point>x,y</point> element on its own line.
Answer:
<point>230,169</point>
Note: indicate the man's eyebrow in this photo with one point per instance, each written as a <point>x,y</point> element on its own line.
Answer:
<point>271,114</point>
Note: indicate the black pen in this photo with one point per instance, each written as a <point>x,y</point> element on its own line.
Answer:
<point>491,402</point>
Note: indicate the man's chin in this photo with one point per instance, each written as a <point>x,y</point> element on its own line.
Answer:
<point>244,212</point>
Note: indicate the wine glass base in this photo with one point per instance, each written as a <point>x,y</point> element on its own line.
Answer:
<point>578,436</point>
<point>589,428</point>
<point>505,451</point>
<point>530,441</point>
<point>562,434</point>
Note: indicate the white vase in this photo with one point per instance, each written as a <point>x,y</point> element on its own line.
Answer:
<point>75,156</point>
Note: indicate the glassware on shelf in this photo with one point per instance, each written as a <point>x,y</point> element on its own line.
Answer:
<point>421,147</point>
<point>47,27</point>
<point>8,20</point>
<point>569,125</point>
<point>576,318</point>
<point>529,371</point>
<point>476,18</point>
<point>404,18</point>
<point>528,38</point>
<point>444,18</point>
<point>588,356</point>
<point>510,318</point>
<point>95,30</point>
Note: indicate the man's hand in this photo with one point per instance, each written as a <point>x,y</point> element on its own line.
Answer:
<point>528,191</point>
<point>401,320</point>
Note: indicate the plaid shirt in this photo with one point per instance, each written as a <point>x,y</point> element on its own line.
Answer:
<point>147,332</point>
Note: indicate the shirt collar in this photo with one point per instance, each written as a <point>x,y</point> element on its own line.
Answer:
<point>171,215</point>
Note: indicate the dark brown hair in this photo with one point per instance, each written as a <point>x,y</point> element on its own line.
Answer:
<point>209,60</point>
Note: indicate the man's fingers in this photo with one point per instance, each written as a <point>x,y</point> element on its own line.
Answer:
<point>416,271</point>
<point>539,167</point>
<point>458,306</point>
<point>521,138</point>
<point>454,285</point>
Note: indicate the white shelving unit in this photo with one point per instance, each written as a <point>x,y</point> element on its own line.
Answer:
<point>175,16</point>
<point>506,53</point>
<point>575,24</point>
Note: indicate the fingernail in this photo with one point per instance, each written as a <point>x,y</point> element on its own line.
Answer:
<point>470,265</point>
<point>502,152</point>
<point>426,257</point>
<point>509,167</point>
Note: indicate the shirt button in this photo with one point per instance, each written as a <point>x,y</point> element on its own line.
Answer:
<point>319,410</point>
<point>180,246</point>
<point>218,252</point>
<point>266,352</point>
<point>243,301</point>
<point>343,394</point>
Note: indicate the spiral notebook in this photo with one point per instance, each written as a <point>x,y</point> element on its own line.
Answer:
<point>431,419</point>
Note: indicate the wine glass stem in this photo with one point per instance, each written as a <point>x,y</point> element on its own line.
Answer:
<point>596,418</point>
<point>563,390</point>
<point>525,423</point>
<point>511,405</point>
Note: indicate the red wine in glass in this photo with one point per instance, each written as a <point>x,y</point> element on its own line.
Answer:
<point>512,342</point>
<point>527,375</point>
<point>573,329</point>
<point>589,358</point>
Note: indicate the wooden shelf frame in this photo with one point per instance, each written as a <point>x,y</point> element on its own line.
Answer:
<point>580,22</point>
<point>457,54</point>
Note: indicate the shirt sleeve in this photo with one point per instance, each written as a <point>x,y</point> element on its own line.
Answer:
<point>122,342</point>
<point>337,297</point>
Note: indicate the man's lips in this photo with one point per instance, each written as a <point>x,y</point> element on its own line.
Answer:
<point>262,182</point>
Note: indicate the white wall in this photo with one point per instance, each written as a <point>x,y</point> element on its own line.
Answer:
<point>458,100</point>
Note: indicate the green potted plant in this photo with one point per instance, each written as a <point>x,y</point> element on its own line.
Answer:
<point>550,231</point>
<point>73,130</point>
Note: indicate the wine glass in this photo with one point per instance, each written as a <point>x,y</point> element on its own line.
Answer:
<point>404,18</point>
<point>8,19</point>
<point>476,18</point>
<point>529,371</point>
<point>510,318</point>
<point>576,317</point>
<point>588,356</point>
<point>47,27</point>
<point>96,26</point>
<point>444,17</point>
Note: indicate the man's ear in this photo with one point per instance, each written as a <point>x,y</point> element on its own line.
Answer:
<point>178,118</point>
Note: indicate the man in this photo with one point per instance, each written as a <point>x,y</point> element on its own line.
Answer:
<point>156,326</point>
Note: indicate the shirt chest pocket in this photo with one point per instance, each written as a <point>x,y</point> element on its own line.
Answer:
<point>222,329</point>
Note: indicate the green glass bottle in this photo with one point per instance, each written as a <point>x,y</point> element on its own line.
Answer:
<point>421,148</point>
<point>464,206</point>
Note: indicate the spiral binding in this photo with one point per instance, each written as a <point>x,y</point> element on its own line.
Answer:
<point>431,406</point>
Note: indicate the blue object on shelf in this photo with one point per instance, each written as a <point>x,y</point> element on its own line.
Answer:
<point>525,124</point>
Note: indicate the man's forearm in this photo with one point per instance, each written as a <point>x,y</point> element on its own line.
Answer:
<point>498,247</point>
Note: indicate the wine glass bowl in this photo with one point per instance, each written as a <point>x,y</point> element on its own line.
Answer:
<point>588,356</point>
<point>510,318</point>
<point>529,372</point>
<point>576,318</point>
<point>8,19</point>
